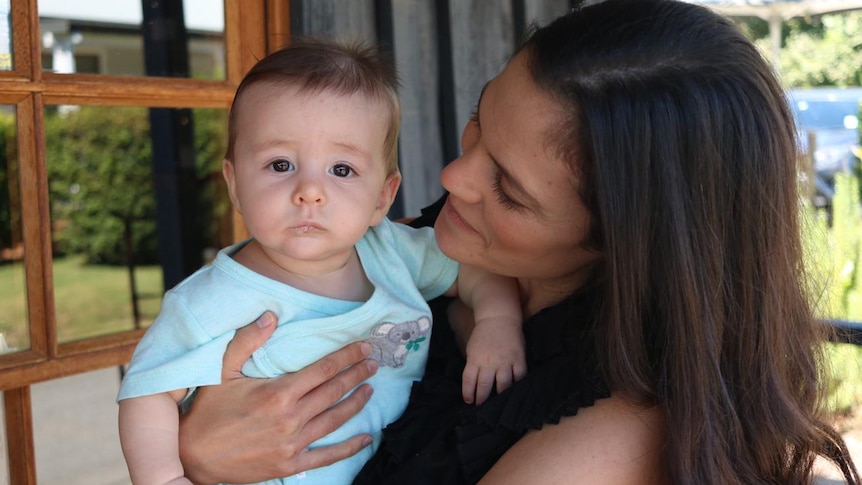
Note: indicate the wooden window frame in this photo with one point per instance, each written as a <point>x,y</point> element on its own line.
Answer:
<point>252,28</point>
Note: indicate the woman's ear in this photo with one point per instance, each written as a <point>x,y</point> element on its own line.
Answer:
<point>387,197</point>
<point>227,171</point>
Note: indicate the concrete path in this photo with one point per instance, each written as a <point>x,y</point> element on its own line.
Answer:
<point>75,429</point>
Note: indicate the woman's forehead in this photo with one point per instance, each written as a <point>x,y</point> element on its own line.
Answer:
<point>520,122</point>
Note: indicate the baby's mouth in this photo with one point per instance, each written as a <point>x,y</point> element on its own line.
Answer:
<point>305,228</point>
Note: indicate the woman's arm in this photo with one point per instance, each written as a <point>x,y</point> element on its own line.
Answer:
<point>249,430</point>
<point>612,442</point>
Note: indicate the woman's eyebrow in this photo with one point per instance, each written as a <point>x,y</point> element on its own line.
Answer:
<point>512,181</point>
<point>479,102</point>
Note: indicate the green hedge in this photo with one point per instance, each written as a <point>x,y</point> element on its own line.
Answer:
<point>833,252</point>
<point>101,184</point>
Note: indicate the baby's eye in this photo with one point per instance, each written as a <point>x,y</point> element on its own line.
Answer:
<point>342,170</point>
<point>281,165</point>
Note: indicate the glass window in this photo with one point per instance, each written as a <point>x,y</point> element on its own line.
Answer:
<point>5,36</point>
<point>14,334</point>
<point>130,218</point>
<point>108,37</point>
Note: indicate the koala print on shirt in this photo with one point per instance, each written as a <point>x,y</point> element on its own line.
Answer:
<point>391,342</point>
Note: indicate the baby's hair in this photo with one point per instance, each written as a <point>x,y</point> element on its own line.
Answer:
<point>317,65</point>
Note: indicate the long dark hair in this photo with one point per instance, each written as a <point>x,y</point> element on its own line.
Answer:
<point>687,152</point>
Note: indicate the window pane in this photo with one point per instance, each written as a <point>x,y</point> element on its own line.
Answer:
<point>14,334</point>
<point>5,36</point>
<point>75,430</point>
<point>137,202</point>
<point>106,37</point>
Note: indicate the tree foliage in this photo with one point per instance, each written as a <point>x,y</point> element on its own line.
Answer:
<point>831,56</point>
<point>101,184</point>
<point>818,51</point>
<point>99,179</point>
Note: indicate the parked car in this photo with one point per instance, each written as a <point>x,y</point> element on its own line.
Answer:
<point>831,115</point>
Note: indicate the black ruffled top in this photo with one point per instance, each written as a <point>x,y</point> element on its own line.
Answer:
<point>441,440</point>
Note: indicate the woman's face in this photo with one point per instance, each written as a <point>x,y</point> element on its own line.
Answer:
<point>513,207</point>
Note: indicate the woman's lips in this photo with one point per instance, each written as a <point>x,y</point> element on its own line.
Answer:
<point>452,214</point>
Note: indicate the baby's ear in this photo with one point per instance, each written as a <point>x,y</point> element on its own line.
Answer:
<point>387,197</point>
<point>227,170</point>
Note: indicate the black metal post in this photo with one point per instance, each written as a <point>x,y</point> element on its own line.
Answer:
<point>173,152</point>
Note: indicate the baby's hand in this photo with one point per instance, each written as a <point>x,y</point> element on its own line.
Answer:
<point>495,352</point>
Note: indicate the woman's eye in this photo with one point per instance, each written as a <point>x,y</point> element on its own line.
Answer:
<point>503,198</point>
<point>341,170</point>
<point>281,165</point>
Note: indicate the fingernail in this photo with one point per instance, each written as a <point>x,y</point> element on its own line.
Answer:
<point>366,441</point>
<point>266,320</point>
<point>371,365</point>
<point>368,390</point>
<point>366,348</point>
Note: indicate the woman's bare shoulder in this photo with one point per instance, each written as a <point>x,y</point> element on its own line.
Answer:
<point>611,442</point>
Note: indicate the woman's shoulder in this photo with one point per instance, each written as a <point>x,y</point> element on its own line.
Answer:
<point>613,441</point>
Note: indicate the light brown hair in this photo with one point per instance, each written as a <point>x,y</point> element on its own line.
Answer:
<point>319,65</point>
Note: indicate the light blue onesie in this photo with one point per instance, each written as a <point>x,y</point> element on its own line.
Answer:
<point>184,346</point>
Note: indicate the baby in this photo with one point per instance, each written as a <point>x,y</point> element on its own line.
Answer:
<point>311,166</point>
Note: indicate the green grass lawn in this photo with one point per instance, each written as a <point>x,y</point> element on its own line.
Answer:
<point>90,300</point>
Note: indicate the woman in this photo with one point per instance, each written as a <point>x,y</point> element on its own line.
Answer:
<point>634,168</point>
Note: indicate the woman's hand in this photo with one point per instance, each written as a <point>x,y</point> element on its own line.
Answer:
<point>248,430</point>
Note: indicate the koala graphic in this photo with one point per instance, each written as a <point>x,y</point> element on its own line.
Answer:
<point>390,342</point>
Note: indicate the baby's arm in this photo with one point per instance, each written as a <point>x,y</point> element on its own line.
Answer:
<point>495,349</point>
<point>149,435</point>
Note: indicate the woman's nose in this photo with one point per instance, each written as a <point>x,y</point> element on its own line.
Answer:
<point>460,178</point>
<point>461,175</point>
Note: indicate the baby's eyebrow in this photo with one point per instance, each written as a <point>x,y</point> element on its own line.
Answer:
<point>272,143</point>
<point>349,147</point>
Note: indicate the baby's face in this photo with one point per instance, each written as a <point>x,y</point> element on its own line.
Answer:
<point>308,172</point>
